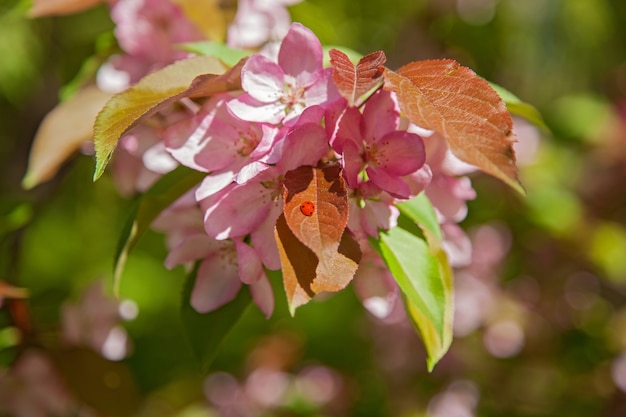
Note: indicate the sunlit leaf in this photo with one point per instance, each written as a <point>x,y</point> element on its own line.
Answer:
<point>193,77</point>
<point>353,81</point>
<point>147,207</point>
<point>421,211</point>
<point>425,279</point>
<point>230,56</point>
<point>60,7</point>
<point>63,131</point>
<point>444,96</point>
<point>353,55</point>
<point>206,332</point>
<point>300,266</point>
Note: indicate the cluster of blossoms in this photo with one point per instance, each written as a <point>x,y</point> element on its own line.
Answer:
<point>288,114</point>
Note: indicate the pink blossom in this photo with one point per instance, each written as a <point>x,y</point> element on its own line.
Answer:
<point>259,21</point>
<point>280,91</point>
<point>216,141</point>
<point>374,150</point>
<point>224,264</point>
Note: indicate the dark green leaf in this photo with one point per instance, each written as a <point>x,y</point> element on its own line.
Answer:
<point>147,207</point>
<point>206,332</point>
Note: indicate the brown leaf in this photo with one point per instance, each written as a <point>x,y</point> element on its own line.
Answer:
<point>317,253</point>
<point>60,7</point>
<point>62,132</point>
<point>9,291</point>
<point>354,81</point>
<point>446,97</point>
<point>302,276</point>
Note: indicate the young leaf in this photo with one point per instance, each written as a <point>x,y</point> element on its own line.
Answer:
<point>62,132</point>
<point>147,207</point>
<point>206,332</point>
<point>519,108</point>
<point>444,96</point>
<point>425,279</point>
<point>229,56</point>
<point>193,77</point>
<point>354,81</point>
<point>421,211</point>
<point>302,277</point>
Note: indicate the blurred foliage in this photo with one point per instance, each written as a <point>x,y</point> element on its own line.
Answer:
<point>563,280</point>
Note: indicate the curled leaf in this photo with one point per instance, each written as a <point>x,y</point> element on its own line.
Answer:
<point>444,96</point>
<point>62,132</point>
<point>193,77</point>
<point>354,81</point>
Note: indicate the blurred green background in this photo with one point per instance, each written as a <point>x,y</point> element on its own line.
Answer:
<point>551,343</point>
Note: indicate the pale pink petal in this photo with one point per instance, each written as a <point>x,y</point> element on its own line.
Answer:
<point>191,249</point>
<point>213,184</point>
<point>418,180</point>
<point>457,245</point>
<point>248,108</point>
<point>263,238</point>
<point>250,267</point>
<point>158,160</point>
<point>217,283</point>
<point>301,54</point>
<point>262,79</point>
<point>375,286</point>
<point>237,210</point>
<point>322,90</point>
<point>263,296</point>
<point>449,195</point>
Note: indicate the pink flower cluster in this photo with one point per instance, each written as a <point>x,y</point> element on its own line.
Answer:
<point>288,114</point>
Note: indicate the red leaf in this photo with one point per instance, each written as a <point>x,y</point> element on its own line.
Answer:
<point>446,97</point>
<point>316,251</point>
<point>354,81</point>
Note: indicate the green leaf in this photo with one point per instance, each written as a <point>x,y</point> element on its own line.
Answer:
<point>147,207</point>
<point>206,332</point>
<point>421,211</point>
<point>519,108</point>
<point>193,77</point>
<point>229,56</point>
<point>425,279</point>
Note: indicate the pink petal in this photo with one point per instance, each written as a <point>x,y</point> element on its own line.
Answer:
<point>457,245</point>
<point>352,163</point>
<point>213,184</point>
<point>263,296</point>
<point>375,286</point>
<point>217,283</point>
<point>250,268</point>
<point>322,90</point>
<point>301,54</point>
<point>400,153</point>
<point>390,183</point>
<point>262,79</point>
<point>191,249</point>
<point>305,145</point>
<point>347,127</point>
<point>263,238</point>
<point>248,108</point>
<point>237,210</point>
<point>381,116</point>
